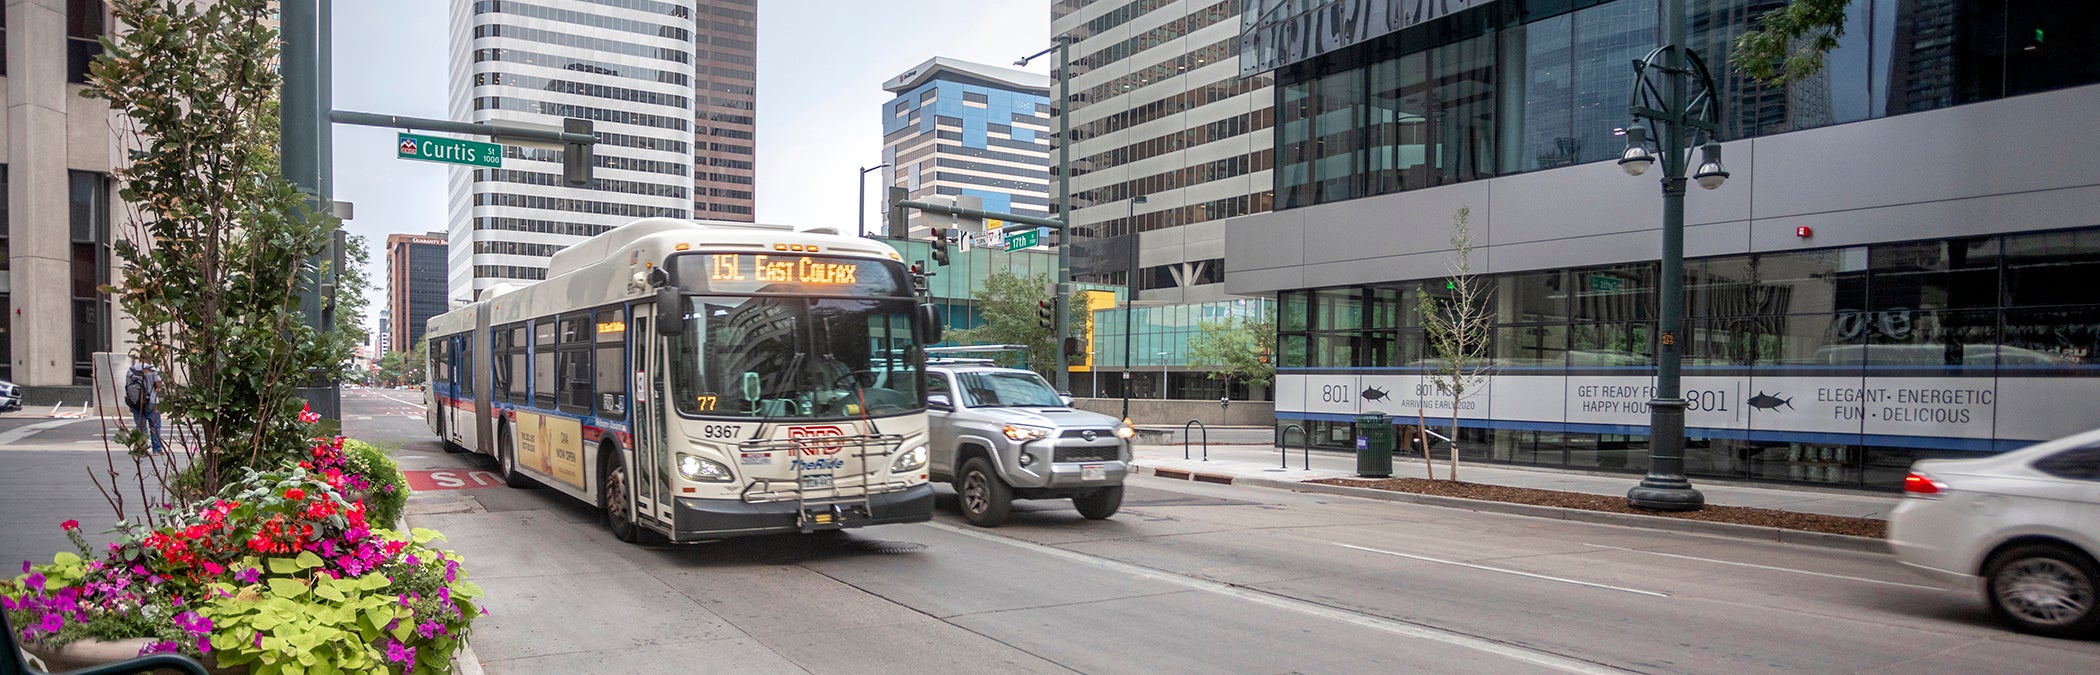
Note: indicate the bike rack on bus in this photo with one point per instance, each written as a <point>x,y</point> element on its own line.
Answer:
<point>1304,442</point>
<point>1185,439</point>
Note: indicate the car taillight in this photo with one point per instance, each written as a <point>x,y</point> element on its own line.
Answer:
<point>1920,485</point>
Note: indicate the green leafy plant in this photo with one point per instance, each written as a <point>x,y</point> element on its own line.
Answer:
<point>1007,303</point>
<point>1235,349</point>
<point>387,490</point>
<point>1790,42</point>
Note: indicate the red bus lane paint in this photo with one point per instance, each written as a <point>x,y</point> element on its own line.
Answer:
<point>452,479</point>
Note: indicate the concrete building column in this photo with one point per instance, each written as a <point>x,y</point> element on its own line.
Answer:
<point>39,276</point>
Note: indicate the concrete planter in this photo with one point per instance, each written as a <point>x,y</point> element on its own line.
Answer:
<point>91,653</point>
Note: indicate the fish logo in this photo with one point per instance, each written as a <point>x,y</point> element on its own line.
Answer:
<point>1764,401</point>
<point>1373,394</point>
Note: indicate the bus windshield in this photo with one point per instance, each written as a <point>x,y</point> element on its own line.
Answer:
<point>794,358</point>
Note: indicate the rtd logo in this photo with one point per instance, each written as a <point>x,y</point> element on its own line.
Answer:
<point>826,431</point>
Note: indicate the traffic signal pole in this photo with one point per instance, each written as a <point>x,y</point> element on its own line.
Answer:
<point>306,149</point>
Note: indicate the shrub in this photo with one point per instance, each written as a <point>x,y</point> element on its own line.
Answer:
<point>385,490</point>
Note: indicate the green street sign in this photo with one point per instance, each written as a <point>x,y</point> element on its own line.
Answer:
<point>448,150</point>
<point>1020,240</point>
<point>1606,283</point>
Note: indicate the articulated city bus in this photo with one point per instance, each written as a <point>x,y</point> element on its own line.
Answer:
<point>700,380</point>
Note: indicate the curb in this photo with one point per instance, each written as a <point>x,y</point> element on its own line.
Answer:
<point>1732,530</point>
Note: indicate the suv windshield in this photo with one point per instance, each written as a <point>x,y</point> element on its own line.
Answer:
<point>1006,389</point>
<point>774,357</point>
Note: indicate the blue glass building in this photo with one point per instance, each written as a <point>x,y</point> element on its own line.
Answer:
<point>958,128</point>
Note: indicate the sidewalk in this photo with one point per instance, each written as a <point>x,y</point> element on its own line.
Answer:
<point>1241,462</point>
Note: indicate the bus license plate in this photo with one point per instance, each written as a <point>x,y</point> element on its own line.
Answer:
<point>1093,472</point>
<point>816,481</point>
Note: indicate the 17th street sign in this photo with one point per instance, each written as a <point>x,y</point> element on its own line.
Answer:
<point>449,150</point>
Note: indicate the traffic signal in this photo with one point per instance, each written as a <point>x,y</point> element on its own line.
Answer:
<point>1045,315</point>
<point>940,245</point>
<point>899,219</point>
<point>576,157</point>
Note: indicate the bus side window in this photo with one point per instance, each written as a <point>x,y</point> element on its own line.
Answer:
<point>611,363</point>
<point>543,362</point>
<point>572,362</point>
<point>499,367</point>
<point>515,348</point>
<point>465,365</point>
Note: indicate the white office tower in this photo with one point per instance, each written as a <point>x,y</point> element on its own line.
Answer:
<point>626,65</point>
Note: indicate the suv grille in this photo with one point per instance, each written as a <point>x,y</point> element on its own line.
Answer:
<point>1104,454</point>
<point>1081,433</point>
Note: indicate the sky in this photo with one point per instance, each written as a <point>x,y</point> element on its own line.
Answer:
<point>821,65</point>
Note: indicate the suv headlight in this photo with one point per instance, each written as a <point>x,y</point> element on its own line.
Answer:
<point>702,470</point>
<point>1125,431</point>
<point>909,460</point>
<point>1022,432</point>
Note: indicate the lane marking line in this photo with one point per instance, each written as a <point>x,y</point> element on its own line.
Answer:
<point>15,435</point>
<point>1520,573</point>
<point>417,406</point>
<point>1272,600</point>
<point>1767,567</point>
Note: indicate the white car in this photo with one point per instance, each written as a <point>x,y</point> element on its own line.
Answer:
<point>2024,525</point>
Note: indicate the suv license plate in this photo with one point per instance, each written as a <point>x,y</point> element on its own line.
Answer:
<point>1093,472</point>
<point>816,480</point>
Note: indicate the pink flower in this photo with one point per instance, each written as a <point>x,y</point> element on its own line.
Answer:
<point>399,653</point>
<point>70,525</point>
<point>248,575</point>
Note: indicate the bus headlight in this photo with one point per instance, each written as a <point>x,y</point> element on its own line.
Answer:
<point>909,460</point>
<point>702,470</point>
<point>1022,432</point>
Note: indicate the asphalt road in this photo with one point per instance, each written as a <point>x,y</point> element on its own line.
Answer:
<point>1189,577</point>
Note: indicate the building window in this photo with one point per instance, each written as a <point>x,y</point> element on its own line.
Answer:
<point>89,216</point>
<point>84,28</point>
<point>7,358</point>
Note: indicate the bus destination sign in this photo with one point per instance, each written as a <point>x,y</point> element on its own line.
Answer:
<point>778,268</point>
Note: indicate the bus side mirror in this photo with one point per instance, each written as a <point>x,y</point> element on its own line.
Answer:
<point>929,325</point>
<point>670,318</point>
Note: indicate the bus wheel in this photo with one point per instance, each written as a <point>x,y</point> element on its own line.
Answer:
<point>612,498</point>
<point>507,454</point>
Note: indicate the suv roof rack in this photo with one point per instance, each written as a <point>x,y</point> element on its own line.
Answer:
<point>953,361</point>
<point>966,349</point>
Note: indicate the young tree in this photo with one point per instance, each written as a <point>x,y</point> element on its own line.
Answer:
<point>217,241</point>
<point>1790,42</point>
<point>1457,325</point>
<point>1235,350</point>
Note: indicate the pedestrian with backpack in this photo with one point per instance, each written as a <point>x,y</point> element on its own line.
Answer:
<point>142,394</point>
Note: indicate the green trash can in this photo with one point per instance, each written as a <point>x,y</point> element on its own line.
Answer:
<point>1374,445</point>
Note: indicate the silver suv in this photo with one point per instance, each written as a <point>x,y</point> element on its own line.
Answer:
<point>1001,434</point>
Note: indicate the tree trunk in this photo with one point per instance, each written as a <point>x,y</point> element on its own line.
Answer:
<point>1422,424</point>
<point>1454,435</point>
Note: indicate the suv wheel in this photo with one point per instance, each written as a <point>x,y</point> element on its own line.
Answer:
<point>1100,504</point>
<point>985,499</point>
<point>2045,590</point>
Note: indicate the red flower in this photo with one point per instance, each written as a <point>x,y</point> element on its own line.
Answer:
<point>70,525</point>
<point>294,494</point>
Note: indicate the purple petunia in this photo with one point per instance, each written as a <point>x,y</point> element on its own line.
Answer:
<point>52,623</point>
<point>248,575</point>
<point>400,653</point>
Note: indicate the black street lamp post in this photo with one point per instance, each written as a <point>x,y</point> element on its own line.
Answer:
<point>1664,95</point>
<point>862,204</point>
<point>1130,302</point>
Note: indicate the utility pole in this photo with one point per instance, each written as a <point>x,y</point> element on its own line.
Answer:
<point>305,152</point>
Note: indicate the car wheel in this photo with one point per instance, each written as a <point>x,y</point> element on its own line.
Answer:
<point>612,499</point>
<point>507,455</point>
<point>1100,504</point>
<point>985,499</point>
<point>2044,589</point>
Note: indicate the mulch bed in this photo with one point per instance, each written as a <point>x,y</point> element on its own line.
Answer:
<point>1809,522</point>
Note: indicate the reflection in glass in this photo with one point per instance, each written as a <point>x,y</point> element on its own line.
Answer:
<point>794,357</point>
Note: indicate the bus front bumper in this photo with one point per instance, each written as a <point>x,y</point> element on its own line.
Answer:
<point>703,519</point>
